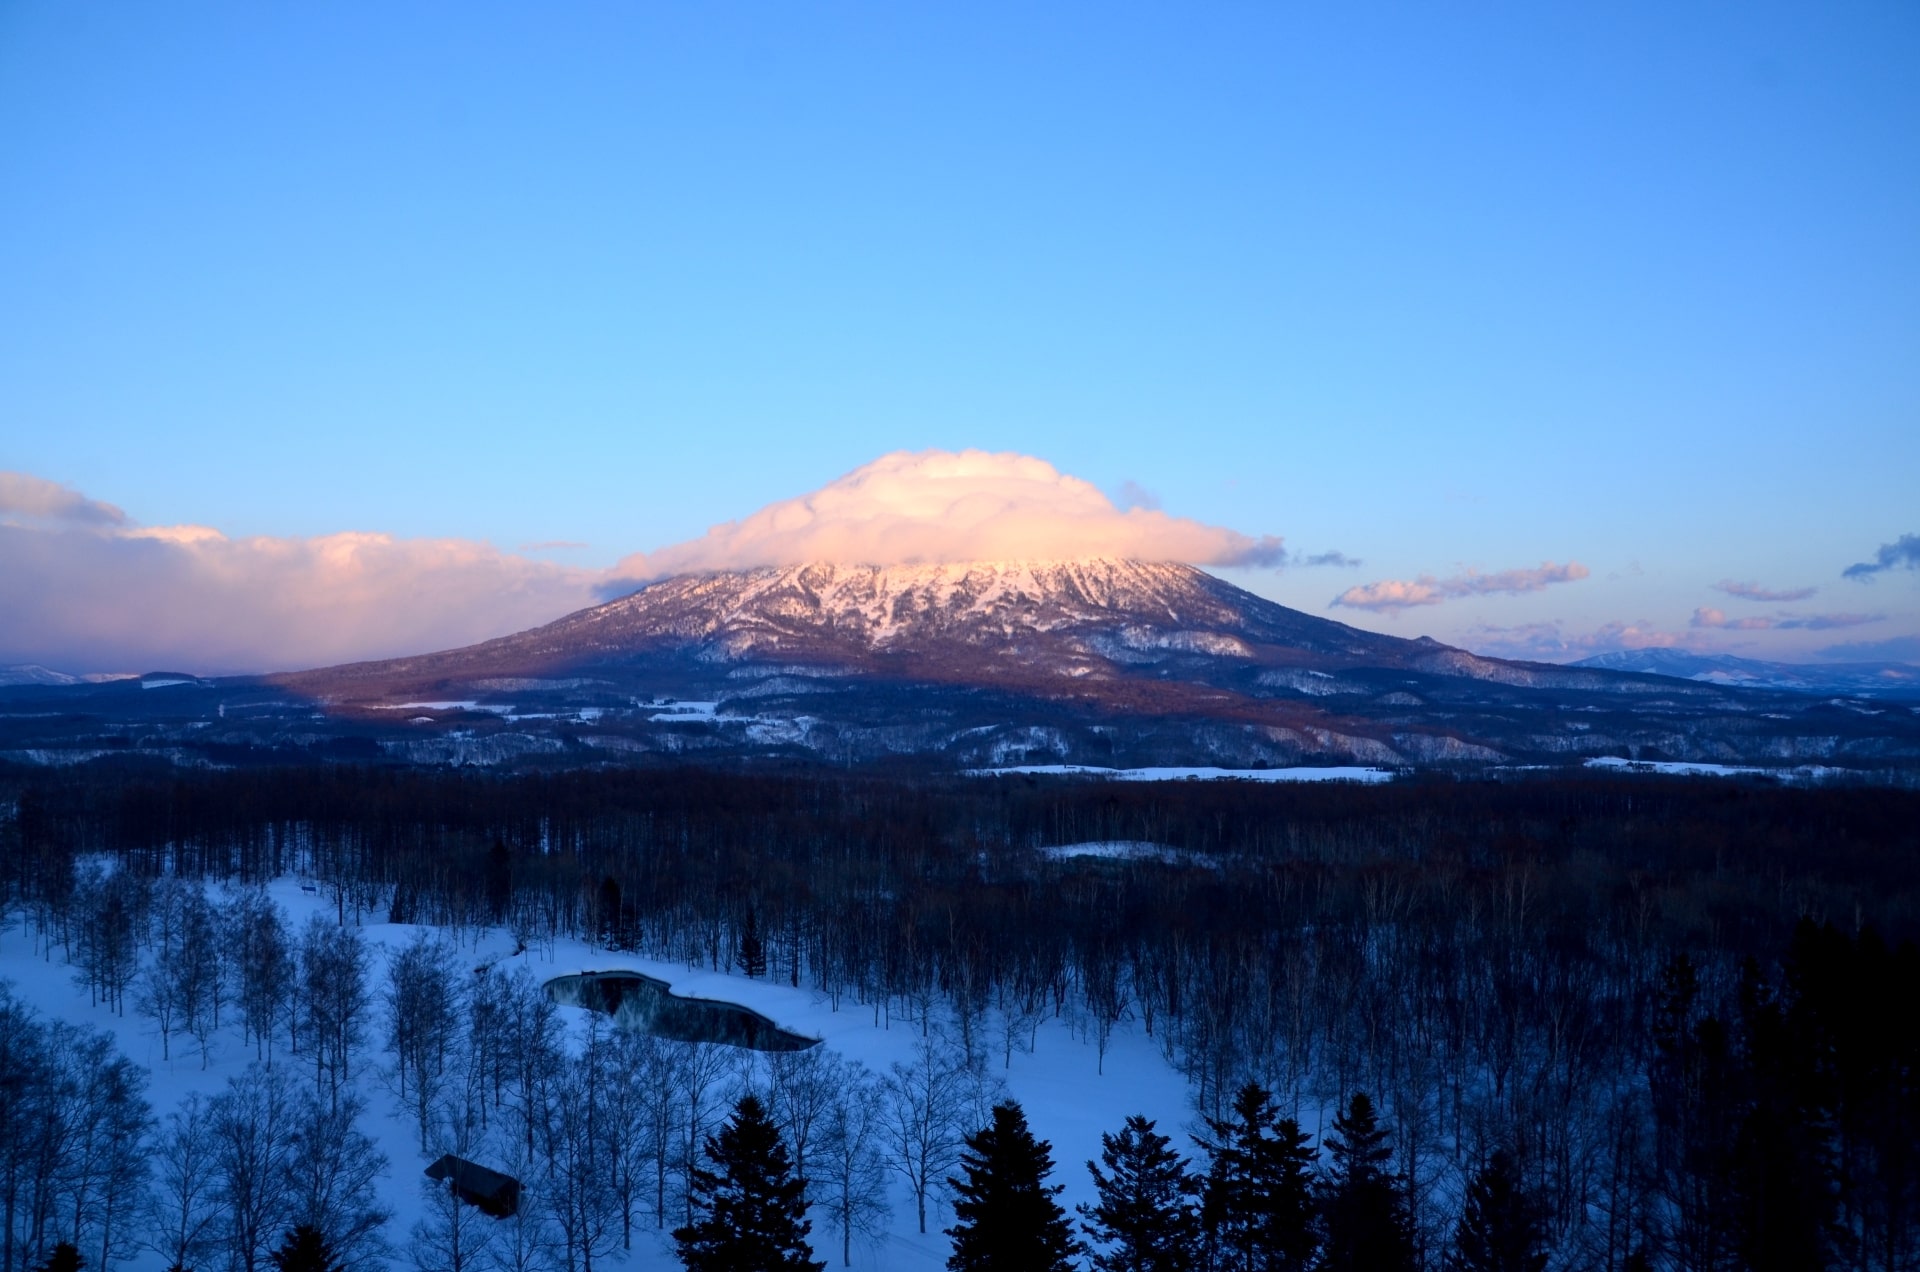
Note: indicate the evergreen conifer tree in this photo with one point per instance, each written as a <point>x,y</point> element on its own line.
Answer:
<point>1145,1219</point>
<point>1258,1207</point>
<point>1367,1228</point>
<point>753,947</point>
<point>1008,1218</point>
<point>753,1209</point>
<point>305,1250</point>
<point>1500,1229</point>
<point>64,1257</point>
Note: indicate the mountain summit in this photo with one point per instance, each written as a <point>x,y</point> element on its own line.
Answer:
<point>1101,661</point>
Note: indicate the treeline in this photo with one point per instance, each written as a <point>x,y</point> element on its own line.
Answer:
<point>1603,979</point>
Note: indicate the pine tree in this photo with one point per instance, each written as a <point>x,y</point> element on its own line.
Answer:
<point>1145,1218</point>
<point>65,1257</point>
<point>609,913</point>
<point>1367,1229</point>
<point>1258,1206</point>
<point>1501,1229</point>
<point>1008,1218</point>
<point>305,1250</point>
<point>754,1209</point>
<point>753,949</point>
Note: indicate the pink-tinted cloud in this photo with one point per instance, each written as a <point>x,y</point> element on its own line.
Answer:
<point>1390,596</point>
<point>1754,592</point>
<point>1707,616</point>
<point>92,593</point>
<point>932,506</point>
<point>1551,642</point>
<point>22,495</point>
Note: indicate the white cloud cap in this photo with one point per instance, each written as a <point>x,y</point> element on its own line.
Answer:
<point>911,508</point>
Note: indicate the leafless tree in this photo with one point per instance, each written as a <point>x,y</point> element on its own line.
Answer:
<point>925,1101</point>
<point>251,1124</point>
<point>527,1053</point>
<point>157,995</point>
<point>334,1177</point>
<point>422,998</point>
<point>849,1180</point>
<point>333,1000</point>
<point>109,909</point>
<point>106,1164</point>
<point>523,1241</point>
<point>261,955</point>
<point>634,1069</point>
<point>704,1097</point>
<point>451,1235</point>
<point>579,1189</point>
<point>181,1215</point>
<point>198,974</point>
<point>801,1087</point>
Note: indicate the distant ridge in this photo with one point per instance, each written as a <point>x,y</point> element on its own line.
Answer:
<point>34,674</point>
<point>1113,664</point>
<point>1877,679</point>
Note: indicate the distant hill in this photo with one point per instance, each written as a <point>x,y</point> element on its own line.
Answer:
<point>34,674</point>
<point>1875,679</point>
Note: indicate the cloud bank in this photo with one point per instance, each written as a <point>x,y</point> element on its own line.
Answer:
<point>912,508</point>
<point>93,591</point>
<point>1551,642</point>
<point>1902,553</point>
<point>1754,592</point>
<point>37,499</point>
<point>1391,596</point>
<point>1707,616</point>
<point>88,590</point>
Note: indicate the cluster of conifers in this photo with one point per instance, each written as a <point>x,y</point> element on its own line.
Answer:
<point>1258,1204</point>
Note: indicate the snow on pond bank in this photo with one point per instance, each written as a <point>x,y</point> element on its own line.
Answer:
<point>1067,1098</point>
<point>1201,774</point>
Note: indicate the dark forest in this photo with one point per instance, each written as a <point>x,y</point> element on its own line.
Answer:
<point>1677,1016</point>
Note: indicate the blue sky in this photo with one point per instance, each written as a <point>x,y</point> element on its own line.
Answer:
<point>1448,290</point>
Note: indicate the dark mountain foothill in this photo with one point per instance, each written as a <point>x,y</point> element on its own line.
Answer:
<point>989,664</point>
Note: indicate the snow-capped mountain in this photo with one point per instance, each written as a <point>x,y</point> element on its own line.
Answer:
<point>1106,662</point>
<point>1044,619</point>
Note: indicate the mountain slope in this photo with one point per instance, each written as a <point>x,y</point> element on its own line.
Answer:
<point>1095,661</point>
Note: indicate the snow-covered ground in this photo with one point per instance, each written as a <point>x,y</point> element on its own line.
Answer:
<point>1118,850</point>
<point>1334,774</point>
<point>1688,768</point>
<point>680,712</point>
<point>1068,1099</point>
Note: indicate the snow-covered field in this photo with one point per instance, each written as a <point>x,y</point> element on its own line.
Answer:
<point>1202,774</point>
<point>1068,1098</point>
<point>1688,768</point>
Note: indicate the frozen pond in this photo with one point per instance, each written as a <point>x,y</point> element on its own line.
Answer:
<point>650,1006</point>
